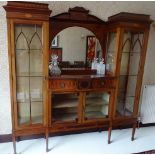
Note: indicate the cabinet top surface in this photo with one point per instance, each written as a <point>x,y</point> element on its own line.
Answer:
<point>80,76</point>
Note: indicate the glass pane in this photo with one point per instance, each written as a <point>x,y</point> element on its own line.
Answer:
<point>36,89</point>
<point>131,87</point>
<point>124,64</point>
<point>37,112</point>
<point>36,66</point>
<point>23,113</point>
<point>23,89</point>
<point>22,62</point>
<point>36,39</point>
<point>126,42</point>
<point>21,42</point>
<point>129,104</point>
<point>65,107</point>
<point>23,100</point>
<point>29,68</point>
<point>97,105</point>
<point>137,42</point>
<point>111,47</point>
<point>123,82</point>
<point>134,63</point>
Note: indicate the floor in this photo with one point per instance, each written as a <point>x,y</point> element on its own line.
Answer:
<point>88,143</point>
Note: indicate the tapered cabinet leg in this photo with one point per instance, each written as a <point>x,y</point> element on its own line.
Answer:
<point>47,140</point>
<point>133,131</point>
<point>109,134</point>
<point>14,143</point>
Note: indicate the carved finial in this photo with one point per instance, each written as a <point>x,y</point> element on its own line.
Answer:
<point>78,9</point>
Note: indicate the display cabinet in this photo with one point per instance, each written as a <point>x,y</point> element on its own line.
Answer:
<point>132,36</point>
<point>79,99</point>
<point>28,51</point>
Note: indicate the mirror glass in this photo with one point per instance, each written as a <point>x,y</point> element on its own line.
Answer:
<point>76,47</point>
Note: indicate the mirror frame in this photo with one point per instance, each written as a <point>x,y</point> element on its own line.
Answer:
<point>79,16</point>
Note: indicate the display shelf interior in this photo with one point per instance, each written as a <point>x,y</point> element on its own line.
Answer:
<point>65,117</point>
<point>96,101</point>
<point>26,120</point>
<point>95,114</point>
<point>96,110</point>
<point>65,103</point>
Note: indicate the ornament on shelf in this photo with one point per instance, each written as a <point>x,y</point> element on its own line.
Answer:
<point>53,65</point>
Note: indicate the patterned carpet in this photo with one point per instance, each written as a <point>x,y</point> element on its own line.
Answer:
<point>147,152</point>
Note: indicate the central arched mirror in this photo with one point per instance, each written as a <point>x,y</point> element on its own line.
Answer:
<point>76,47</point>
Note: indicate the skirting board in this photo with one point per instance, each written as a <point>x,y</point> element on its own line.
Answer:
<point>8,137</point>
<point>5,138</point>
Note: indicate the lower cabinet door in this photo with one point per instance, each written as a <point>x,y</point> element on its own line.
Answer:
<point>96,105</point>
<point>64,108</point>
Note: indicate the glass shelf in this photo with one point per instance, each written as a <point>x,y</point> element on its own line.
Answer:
<point>66,103</point>
<point>96,101</point>
<point>65,117</point>
<point>27,100</point>
<point>95,114</point>
<point>31,74</point>
<point>19,50</point>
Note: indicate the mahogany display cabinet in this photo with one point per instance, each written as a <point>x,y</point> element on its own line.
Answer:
<point>79,99</point>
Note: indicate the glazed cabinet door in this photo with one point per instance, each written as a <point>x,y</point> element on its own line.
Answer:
<point>28,73</point>
<point>96,105</point>
<point>130,72</point>
<point>65,107</point>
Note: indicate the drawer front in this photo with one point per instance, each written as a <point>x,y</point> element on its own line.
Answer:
<point>63,85</point>
<point>103,83</point>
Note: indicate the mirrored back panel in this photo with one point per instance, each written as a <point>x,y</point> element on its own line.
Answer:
<point>76,47</point>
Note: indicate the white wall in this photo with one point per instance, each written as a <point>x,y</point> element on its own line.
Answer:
<point>5,109</point>
<point>101,9</point>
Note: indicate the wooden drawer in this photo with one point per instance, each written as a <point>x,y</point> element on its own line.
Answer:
<point>103,83</point>
<point>63,85</point>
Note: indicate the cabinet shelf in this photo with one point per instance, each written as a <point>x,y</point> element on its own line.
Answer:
<point>66,103</point>
<point>28,49</point>
<point>28,101</point>
<point>65,117</point>
<point>95,114</point>
<point>31,74</point>
<point>96,101</point>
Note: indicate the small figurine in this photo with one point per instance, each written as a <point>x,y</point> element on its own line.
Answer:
<point>53,66</point>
